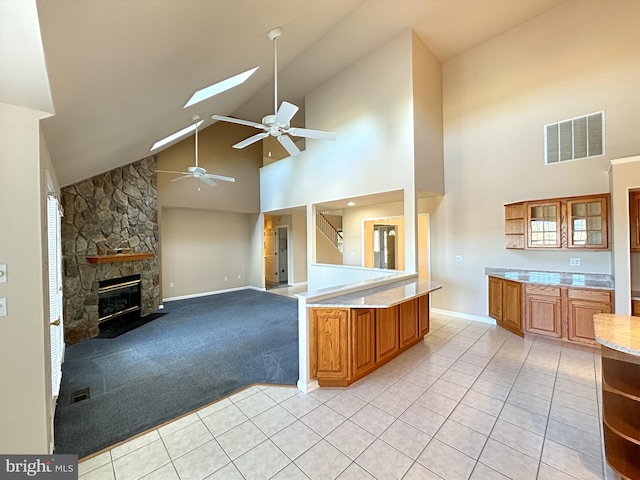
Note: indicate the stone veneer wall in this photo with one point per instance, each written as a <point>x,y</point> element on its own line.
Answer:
<point>114,210</point>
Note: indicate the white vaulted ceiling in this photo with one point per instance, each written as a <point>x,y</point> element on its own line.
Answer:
<point>121,70</point>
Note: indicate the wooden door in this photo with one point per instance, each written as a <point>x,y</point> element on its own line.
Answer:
<point>423,314</point>
<point>634,218</point>
<point>363,341</point>
<point>543,314</point>
<point>495,298</point>
<point>387,340</point>
<point>544,224</point>
<point>587,222</point>
<point>270,255</point>
<point>512,306</point>
<point>329,350</point>
<point>409,328</point>
<point>580,319</point>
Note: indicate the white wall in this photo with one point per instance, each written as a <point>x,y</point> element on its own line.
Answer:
<point>199,248</point>
<point>568,62</point>
<point>25,416</point>
<point>625,175</point>
<point>370,107</point>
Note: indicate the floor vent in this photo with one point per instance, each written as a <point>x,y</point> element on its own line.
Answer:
<point>79,395</point>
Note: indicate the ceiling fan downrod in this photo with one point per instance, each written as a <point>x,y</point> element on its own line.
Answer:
<point>273,36</point>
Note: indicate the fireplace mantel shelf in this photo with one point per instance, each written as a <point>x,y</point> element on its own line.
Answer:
<point>119,257</point>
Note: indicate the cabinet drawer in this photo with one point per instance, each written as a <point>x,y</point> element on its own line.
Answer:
<point>603,296</point>
<point>542,290</point>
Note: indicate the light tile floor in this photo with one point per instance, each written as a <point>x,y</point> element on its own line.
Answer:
<point>470,402</point>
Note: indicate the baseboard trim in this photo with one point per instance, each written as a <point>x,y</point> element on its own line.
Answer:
<point>215,292</point>
<point>307,387</point>
<point>466,316</point>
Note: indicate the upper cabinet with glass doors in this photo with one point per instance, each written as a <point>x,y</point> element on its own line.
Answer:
<point>572,222</point>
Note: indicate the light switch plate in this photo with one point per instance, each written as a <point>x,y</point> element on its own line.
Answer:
<point>574,261</point>
<point>3,307</point>
<point>3,272</point>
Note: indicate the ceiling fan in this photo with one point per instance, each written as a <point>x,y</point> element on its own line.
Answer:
<point>278,125</point>
<point>197,171</point>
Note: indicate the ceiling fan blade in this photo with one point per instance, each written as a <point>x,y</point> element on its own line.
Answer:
<point>288,145</point>
<point>171,171</point>
<point>285,113</point>
<point>208,181</point>
<point>253,139</point>
<point>219,177</point>
<point>238,121</point>
<point>307,133</point>
<point>181,178</point>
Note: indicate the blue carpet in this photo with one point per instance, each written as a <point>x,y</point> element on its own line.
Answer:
<point>202,349</point>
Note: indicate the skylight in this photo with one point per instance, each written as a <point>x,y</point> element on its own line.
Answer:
<point>219,87</point>
<point>173,136</point>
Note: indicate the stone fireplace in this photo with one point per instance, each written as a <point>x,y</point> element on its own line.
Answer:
<point>109,231</point>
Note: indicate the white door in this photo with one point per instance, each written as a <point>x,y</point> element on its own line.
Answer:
<point>55,295</point>
<point>271,255</point>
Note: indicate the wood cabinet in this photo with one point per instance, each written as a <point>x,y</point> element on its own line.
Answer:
<point>348,343</point>
<point>621,411</point>
<point>505,304</point>
<point>387,333</point>
<point>562,313</point>
<point>423,314</point>
<point>635,308</point>
<point>363,324</point>
<point>543,310</point>
<point>559,223</point>
<point>582,305</point>
<point>329,340</point>
<point>409,322</point>
<point>634,217</point>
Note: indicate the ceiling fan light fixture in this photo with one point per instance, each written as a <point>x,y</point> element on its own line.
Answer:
<point>219,87</point>
<point>175,136</point>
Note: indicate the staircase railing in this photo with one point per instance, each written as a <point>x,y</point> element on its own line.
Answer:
<point>328,230</point>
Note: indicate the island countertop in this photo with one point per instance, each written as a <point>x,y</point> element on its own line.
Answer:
<point>618,332</point>
<point>384,296</point>
<point>601,281</point>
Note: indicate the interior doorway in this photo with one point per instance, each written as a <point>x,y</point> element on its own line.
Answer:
<point>276,256</point>
<point>384,246</point>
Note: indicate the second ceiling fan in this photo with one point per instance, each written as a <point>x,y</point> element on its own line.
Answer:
<point>278,125</point>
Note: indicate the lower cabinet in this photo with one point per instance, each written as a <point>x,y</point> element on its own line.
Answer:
<point>563,313</point>
<point>348,343</point>
<point>505,304</point>
<point>582,305</point>
<point>635,308</point>
<point>543,310</point>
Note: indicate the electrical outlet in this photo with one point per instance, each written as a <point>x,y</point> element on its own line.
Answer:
<point>226,278</point>
<point>3,272</point>
<point>170,284</point>
<point>3,307</point>
<point>458,258</point>
<point>574,262</point>
<point>239,276</point>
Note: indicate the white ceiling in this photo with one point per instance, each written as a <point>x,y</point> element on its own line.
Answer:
<point>121,70</point>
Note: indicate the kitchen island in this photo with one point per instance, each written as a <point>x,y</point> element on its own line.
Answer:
<point>619,336</point>
<point>354,333</point>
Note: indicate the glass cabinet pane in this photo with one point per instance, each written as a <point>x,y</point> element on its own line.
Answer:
<point>587,223</point>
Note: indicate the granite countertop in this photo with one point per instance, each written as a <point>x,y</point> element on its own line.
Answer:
<point>618,332</point>
<point>384,296</point>
<point>602,281</point>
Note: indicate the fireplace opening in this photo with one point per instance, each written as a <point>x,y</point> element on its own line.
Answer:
<point>118,300</point>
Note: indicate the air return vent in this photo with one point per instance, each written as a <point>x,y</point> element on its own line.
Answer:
<point>575,138</point>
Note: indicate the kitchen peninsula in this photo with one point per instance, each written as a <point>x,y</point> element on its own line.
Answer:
<point>352,334</point>
<point>552,305</point>
<point>619,336</point>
